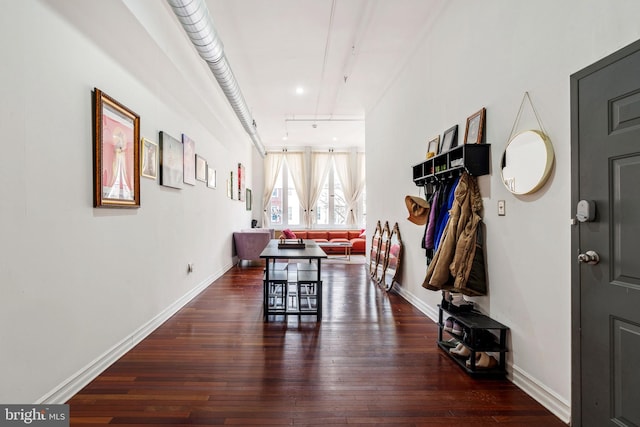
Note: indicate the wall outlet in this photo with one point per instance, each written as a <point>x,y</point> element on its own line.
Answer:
<point>501,208</point>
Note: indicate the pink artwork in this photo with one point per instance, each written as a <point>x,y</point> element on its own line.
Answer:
<point>117,156</point>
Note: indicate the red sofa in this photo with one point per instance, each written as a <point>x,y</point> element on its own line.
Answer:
<point>353,236</point>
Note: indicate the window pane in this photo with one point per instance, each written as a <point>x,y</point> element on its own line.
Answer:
<point>276,201</point>
<point>293,205</point>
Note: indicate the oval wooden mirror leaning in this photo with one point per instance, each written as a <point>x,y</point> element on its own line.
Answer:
<point>526,162</point>
<point>383,252</point>
<point>375,250</point>
<point>392,269</point>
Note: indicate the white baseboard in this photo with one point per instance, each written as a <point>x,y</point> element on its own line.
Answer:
<point>541,393</point>
<point>538,391</point>
<point>429,311</point>
<point>72,385</point>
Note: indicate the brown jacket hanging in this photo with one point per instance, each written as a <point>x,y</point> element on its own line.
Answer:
<point>452,262</point>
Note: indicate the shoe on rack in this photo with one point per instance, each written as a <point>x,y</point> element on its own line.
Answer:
<point>460,351</point>
<point>458,301</point>
<point>483,361</point>
<point>451,343</point>
<point>457,328</point>
<point>448,324</point>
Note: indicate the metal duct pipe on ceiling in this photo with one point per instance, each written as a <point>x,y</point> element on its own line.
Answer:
<point>197,23</point>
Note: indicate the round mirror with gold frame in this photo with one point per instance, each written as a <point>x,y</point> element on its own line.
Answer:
<point>527,162</point>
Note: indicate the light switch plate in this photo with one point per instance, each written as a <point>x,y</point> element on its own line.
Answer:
<point>501,208</point>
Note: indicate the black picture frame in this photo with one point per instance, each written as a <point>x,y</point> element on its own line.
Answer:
<point>449,139</point>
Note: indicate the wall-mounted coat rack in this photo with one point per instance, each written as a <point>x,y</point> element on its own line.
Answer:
<point>471,158</point>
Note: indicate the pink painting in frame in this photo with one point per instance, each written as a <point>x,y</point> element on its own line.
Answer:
<point>116,154</point>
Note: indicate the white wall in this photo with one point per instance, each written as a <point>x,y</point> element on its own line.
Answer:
<point>487,54</point>
<point>80,284</point>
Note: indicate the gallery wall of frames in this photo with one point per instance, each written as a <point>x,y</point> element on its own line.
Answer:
<point>121,157</point>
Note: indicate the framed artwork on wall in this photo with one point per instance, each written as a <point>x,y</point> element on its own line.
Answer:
<point>149,159</point>
<point>449,139</point>
<point>241,182</point>
<point>189,160</point>
<point>116,154</point>
<point>248,199</point>
<point>475,128</point>
<point>231,191</point>
<point>201,169</point>
<point>433,146</point>
<point>211,177</point>
<point>171,164</point>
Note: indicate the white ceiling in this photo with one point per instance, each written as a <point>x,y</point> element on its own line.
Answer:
<point>344,53</point>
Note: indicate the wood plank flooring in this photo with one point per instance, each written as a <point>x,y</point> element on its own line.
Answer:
<point>371,361</point>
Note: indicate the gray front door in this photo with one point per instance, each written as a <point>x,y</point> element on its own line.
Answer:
<point>606,296</point>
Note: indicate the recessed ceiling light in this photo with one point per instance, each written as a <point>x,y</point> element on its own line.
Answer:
<point>299,90</point>
<point>284,138</point>
<point>335,138</point>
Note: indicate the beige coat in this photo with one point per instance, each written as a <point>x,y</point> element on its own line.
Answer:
<point>451,264</point>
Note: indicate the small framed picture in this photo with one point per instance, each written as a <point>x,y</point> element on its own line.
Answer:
<point>475,128</point>
<point>189,160</point>
<point>201,169</point>
<point>211,177</point>
<point>248,199</point>
<point>171,163</point>
<point>433,146</point>
<point>449,139</point>
<point>149,159</point>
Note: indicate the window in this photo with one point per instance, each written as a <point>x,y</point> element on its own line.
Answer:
<point>331,209</point>
<point>285,199</point>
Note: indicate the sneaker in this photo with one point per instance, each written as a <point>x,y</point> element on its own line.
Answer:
<point>448,324</point>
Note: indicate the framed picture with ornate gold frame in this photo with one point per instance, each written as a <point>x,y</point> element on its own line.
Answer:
<point>116,153</point>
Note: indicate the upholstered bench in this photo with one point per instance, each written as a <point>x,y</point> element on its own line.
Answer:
<point>251,242</point>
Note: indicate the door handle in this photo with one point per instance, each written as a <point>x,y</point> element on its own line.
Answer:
<point>589,257</point>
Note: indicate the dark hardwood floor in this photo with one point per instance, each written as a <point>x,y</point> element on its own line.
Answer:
<point>372,361</point>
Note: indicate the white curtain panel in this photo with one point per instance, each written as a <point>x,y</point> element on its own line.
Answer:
<point>298,168</point>
<point>352,178</point>
<point>272,164</point>
<point>320,166</point>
